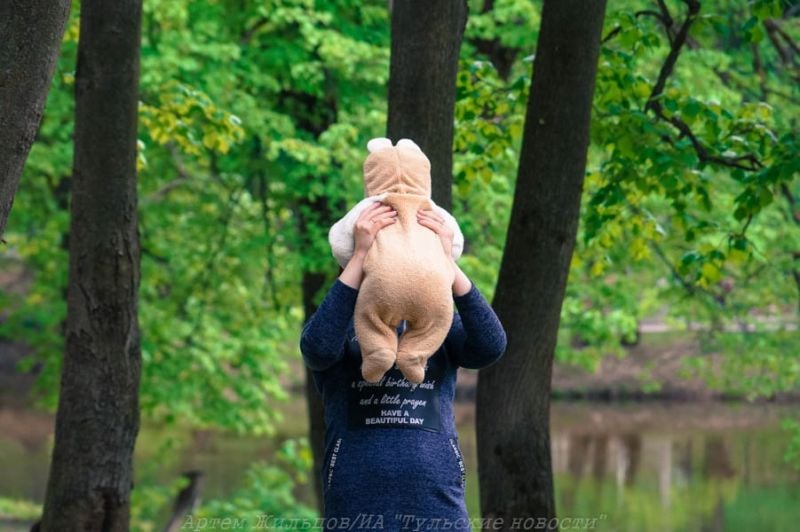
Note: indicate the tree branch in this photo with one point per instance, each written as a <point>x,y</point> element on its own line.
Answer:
<point>248,34</point>
<point>663,17</point>
<point>611,34</point>
<point>202,281</point>
<point>166,188</point>
<point>672,57</point>
<point>783,53</point>
<point>691,289</point>
<point>790,199</point>
<point>772,26</point>
<point>654,104</point>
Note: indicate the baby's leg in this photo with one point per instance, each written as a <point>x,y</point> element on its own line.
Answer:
<point>377,340</point>
<point>422,338</point>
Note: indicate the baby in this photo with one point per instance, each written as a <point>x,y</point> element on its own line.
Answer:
<point>407,275</point>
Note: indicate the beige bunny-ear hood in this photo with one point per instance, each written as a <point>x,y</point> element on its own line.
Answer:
<point>378,143</point>
<point>401,169</point>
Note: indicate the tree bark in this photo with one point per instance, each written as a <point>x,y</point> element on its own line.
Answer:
<point>91,473</point>
<point>30,41</point>
<point>426,39</point>
<point>513,400</point>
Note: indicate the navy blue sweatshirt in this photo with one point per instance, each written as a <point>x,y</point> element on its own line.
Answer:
<point>392,456</point>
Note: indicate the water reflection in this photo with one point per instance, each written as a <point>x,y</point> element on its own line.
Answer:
<point>675,467</point>
<point>638,467</point>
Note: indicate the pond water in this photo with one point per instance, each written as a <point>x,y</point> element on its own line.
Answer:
<point>651,466</point>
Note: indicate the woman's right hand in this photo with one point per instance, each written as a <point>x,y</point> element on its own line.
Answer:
<point>373,219</point>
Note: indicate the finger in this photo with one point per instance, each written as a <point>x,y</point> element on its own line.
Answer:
<point>385,215</point>
<point>372,210</point>
<point>430,224</point>
<point>429,215</point>
<point>370,223</point>
<point>378,206</point>
<point>383,208</point>
<point>380,224</point>
<point>429,212</point>
<point>368,212</point>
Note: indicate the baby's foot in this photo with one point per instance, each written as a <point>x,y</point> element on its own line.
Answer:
<point>412,367</point>
<point>376,364</point>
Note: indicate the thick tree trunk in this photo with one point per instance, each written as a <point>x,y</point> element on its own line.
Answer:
<point>30,41</point>
<point>513,400</point>
<point>91,474</point>
<point>426,39</point>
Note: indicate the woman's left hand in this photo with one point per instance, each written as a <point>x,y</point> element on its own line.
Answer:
<point>435,223</point>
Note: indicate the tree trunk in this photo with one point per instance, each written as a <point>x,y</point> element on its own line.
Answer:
<point>30,41</point>
<point>426,39</point>
<point>513,401</point>
<point>91,473</point>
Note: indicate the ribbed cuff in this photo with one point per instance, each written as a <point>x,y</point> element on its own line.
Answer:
<point>344,290</point>
<point>470,298</point>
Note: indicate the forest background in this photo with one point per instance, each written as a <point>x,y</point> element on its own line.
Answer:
<point>254,114</point>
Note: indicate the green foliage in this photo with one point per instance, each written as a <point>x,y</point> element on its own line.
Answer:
<point>644,508</point>
<point>148,502</point>
<point>703,216</point>
<point>189,119</point>
<point>514,23</point>
<point>248,111</point>
<point>266,490</point>
<point>489,115</point>
<point>698,225</point>
<point>758,363</point>
<point>764,509</point>
<point>792,455</point>
<point>254,117</point>
<point>267,493</point>
<point>19,509</point>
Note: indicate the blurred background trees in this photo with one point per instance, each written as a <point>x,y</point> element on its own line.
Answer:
<point>254,118</point>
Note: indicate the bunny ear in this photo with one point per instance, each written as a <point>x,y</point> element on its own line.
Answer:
<point>408,143</point>
<point>378,143</point>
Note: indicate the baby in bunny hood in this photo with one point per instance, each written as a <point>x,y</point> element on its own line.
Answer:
<point>407,275</point>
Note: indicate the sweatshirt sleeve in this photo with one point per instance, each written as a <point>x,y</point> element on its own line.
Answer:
<point>340,235</point>
<point>323,339</point>
<point>477,338</point>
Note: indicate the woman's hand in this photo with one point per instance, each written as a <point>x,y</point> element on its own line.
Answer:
<point>434,222</point>
<point>373,219</point>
